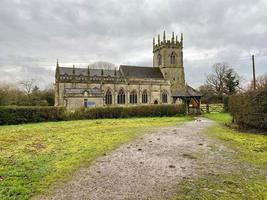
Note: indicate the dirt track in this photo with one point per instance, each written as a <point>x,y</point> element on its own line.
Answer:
<point>150,167</point>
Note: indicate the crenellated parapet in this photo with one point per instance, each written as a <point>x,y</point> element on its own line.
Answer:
<point>174,42</point>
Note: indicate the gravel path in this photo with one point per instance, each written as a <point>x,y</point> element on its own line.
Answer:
<point>150,167</point>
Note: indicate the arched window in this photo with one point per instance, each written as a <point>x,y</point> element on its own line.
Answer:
<point>164,97</point>
<point>172,58</point>
<point>133,97</point>
<point>144,96</point>
<point>159,60</point>
<point>108,97</point>
<point>121,97</point>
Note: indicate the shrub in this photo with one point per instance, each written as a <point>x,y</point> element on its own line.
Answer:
<point>123,112</point>
<point>226,103</point>
<point>18,115</point>
<point>249,109</point>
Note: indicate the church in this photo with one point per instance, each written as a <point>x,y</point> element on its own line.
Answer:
<point>164,83</point>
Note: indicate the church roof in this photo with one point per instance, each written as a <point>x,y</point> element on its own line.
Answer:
<point>188,91</point>
<point>141,72</point>
<point>84,71</point>
<point>125,71</point>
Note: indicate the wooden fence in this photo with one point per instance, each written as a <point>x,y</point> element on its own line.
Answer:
<point>209,108</point>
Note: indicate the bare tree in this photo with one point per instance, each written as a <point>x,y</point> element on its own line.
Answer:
<point>27,86</point>
<point>216,79</point>
<point>262,81</point>
<point>103,65</point>
<point>223,80</point>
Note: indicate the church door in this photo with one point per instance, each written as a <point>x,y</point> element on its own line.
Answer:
<point>156,102</point>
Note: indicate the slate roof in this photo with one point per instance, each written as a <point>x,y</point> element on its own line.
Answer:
<point>141,72</point>
<point>187,92</point>
<point>84,71</point>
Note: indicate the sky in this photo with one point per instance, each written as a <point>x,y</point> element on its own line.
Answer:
<point>35,33</point>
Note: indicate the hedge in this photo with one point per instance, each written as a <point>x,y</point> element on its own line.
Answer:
<point>19,115</point>
<point>249,109</point>
<point>124,112</point>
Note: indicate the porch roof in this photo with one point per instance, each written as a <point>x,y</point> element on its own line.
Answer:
<point>188,91</point>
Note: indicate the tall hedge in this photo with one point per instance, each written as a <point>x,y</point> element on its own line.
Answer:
<point>19,115</point>
<point>123,112</point>
<point>249,109</point>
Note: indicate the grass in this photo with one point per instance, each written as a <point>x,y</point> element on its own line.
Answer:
<point>251,147</point>
<point>223,187</point>
<point>219,117</point>
<point>249,182</point>
<point>34,157</point>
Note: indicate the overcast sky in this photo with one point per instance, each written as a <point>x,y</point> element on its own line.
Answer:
<point>34,33</point>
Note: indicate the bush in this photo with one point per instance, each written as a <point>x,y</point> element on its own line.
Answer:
<point>19,115</point>
<point>123,112</point>
<point>249,109</point>
<point>226,103</point>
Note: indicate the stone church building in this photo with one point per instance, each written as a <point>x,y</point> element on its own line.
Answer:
<point>164,83</point>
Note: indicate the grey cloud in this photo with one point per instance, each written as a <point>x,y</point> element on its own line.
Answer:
<point>35,33</point>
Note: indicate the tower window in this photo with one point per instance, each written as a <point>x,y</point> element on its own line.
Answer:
<point>172,58</point>
<point>159,60</point>
<point>133,97</point>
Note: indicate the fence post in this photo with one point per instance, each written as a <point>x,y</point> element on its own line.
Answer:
<point>186,108</point>
<point>207,108</point>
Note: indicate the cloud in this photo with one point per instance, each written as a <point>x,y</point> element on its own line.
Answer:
<point>35,33</point>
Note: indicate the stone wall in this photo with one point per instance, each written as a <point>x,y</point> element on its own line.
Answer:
<point>154,92</point>
<point>72,103</point>
<point>174,72</point>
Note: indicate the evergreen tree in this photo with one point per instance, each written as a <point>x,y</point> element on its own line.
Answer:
<point>231,82</point>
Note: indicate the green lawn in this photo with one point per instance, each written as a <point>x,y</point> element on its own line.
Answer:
<point>250,146</point>
<point>248,182</point>
<point>219,117</point>
<point>34,157</point>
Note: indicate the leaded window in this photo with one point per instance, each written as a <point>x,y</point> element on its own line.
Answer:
<point>108,97</point>
<point>144,97</point>
<point>164,97</point>
<point>121,97</point>
<point>133,97</point>
<point>172,58</point>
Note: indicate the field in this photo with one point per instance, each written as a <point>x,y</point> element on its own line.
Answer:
<point>247,181</point>
<point>34,157</point>
<point>37,157</point>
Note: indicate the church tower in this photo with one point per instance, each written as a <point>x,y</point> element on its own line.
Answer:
<point>168,56</point>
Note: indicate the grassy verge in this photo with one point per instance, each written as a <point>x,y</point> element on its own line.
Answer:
<point>251,147</point>
<point>249,181</point>
<point>35,156</point>
<point>223,187</point>
<point>219,117</point>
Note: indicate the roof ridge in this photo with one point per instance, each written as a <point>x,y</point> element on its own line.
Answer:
<point>136,66</point>
<point>87,68</point>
